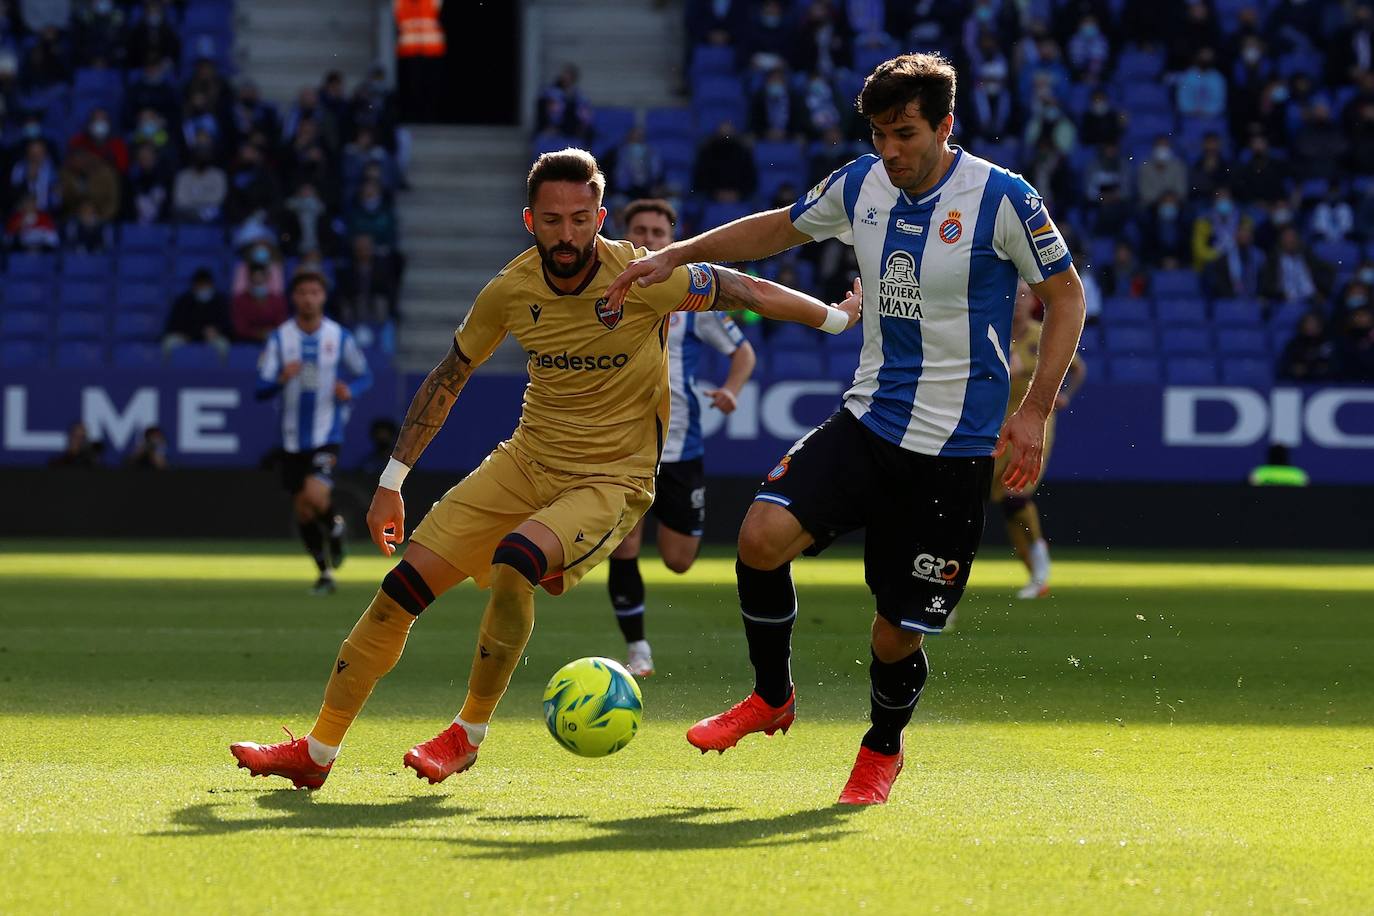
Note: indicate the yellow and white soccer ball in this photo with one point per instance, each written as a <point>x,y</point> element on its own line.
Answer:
<point>593,706</point>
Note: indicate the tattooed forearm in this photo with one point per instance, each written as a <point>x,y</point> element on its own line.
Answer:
<point>737,291</point>
<point>430,406</point>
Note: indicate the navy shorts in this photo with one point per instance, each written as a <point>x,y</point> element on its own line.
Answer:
<point>922,515</point>
<point>680,496</point>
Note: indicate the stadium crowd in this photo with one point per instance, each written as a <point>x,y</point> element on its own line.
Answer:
<point>1210,163</point>
<point>154,205</point>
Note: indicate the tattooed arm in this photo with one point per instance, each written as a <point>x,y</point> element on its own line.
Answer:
<point>772,300</point>
<point>430,406</point>
<point>386,517</point>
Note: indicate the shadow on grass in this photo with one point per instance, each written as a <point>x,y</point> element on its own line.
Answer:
<point>670,830</point>
<point>286,809</point>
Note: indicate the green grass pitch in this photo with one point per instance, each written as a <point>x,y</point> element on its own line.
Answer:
<point>1170,733</point>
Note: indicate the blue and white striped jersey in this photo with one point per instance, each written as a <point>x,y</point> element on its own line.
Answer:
<point>687,332</point>
<point>310,415</point>
<point>939,276</point>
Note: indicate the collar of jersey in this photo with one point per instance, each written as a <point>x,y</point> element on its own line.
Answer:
<point>929,196</point>
<point>586,281</point>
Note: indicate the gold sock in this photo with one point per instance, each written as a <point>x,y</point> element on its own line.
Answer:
<point>506,626</point>
<point>369,652</point>
<point>1018,532</point>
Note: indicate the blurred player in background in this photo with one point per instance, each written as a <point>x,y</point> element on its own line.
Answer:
<point>1019,509</point>
<point>301,364</point>
<point>941,237</point>
<point>680,495</point>
<point>551,502</point>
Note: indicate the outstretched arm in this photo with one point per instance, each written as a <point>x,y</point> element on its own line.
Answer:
<point>749,238</point>
<point>773,300</point>
<point>386,517</point>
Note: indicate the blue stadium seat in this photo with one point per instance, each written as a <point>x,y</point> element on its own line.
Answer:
<point>708,87</point>
<point>1185,341</point>
<point>1167,283</point>
<point>23,354</point>
<point>82,294</point>
<point>797,364</point>
<point>80,325</point>
<point>548,143</point>
<point>1279,336</point>
<point>1100,251</point>
<point>101,80</point>
<point>1130,341</point>
<point>137,326</point>
<point>1126,310</point>
<point>147,268</point>
<point>76,354</point>
<point>1343,255</point>
<point>194,356</point>
<point>25,325</point>
<point>244,357</point>
<point>27,294</point>
<point>1176,310</point>
<point>712,59</point>
<point>660,123</point>
<point>142,297</point>
<point>137,356</point>
<point>1138,65</point>
<point>25,265</point>
<point>609,127</point>
<point>82,266</point>
<point>1287,315</point>
<point>200,238</point>
<point>1242,342</point>
<point>1135,370</point>
<point>1247,371</point>
<point>718,214</point>
<point>1142,97</point>
<point>1091,341</point>
<point>187,263</point>
<point>710,117</point>
<point>1190,370</point>
<point>1237,313</point>
<point>678,156</point>
<point>148,238</point>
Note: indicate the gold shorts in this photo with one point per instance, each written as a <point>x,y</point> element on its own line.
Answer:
<point>590,514</point>
<point>1000,467</point>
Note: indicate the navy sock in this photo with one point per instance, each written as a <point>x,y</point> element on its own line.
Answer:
<point>768,605</point>
<point>895,688</point>
<point>627,597</point>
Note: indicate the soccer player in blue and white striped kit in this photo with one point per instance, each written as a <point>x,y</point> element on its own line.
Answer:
<point>305,363</point>
<point>680,494</point>
<point>941,237</point>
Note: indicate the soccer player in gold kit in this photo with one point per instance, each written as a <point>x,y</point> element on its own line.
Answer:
<point>556,498</point>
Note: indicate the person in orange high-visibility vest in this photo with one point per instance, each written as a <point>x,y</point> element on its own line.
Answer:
<point>420,49</point>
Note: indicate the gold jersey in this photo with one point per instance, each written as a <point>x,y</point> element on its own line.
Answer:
<point>598,397</point>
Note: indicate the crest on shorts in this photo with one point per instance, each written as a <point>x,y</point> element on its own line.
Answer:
<point>608,314</point>
<point>778,472</point>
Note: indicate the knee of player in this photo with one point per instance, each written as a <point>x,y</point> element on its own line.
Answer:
<point>1013,506</point>
<point>517,564</point>
<point>757,549</point>
<point>679,563</point>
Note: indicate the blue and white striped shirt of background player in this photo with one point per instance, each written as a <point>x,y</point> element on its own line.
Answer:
<point>939,276</point>
<point>687,333</point>
<point>311,418</point>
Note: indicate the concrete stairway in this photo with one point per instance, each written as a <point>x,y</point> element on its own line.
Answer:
<point>629,52</point>
<point>285,45</point>
<point>461,223</point>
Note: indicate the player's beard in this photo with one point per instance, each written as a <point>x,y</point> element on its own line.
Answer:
<point>572,269</point>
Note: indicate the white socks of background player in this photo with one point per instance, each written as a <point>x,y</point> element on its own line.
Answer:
<point>475,732</point>
<point>1040,561</point>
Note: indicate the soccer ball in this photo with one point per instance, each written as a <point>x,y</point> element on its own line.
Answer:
<point>593,706</point>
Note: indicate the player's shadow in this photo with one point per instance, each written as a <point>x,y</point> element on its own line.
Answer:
<point>285,810</point>
<point>670,830</point>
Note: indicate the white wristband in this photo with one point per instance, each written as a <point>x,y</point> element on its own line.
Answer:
<point>393,475</point>
<point>835,322</point>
